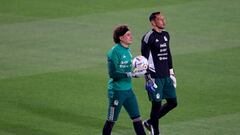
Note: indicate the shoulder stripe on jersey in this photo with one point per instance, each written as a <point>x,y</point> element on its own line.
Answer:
<point>146,38</point>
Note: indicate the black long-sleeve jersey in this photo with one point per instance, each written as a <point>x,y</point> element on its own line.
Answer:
<point>155,47</point>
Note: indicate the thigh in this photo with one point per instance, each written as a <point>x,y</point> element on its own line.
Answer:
<point>131,105</point>
<point>157,95</point>
<point>169,90</point>
<point>115,105</point>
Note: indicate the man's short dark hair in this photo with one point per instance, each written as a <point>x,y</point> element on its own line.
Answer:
<point>153,16</point>
<point>119,31</point>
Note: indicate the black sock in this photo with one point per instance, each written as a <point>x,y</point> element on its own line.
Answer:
<point>107,129</point>
<point>154,120</point>
<point>138,127</point>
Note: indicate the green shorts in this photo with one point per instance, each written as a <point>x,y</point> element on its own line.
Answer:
<point>125,98</point>
<point>164,90</point>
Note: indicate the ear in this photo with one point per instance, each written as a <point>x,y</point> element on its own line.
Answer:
<point>121,38</point>
<point>153,23</point>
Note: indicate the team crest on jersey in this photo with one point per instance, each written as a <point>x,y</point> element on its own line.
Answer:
<point>116,102</point>
<point>165,38</point>
<point>158,96</point>
<point>156,40</point>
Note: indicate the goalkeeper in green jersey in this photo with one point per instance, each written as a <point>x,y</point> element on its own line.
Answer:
<point>120,91</point>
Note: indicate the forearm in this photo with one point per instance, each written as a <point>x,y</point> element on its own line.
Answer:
<point>117,75</point>
<point>112,71</point>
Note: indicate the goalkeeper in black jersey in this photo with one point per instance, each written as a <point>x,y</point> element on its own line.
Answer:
<point>160,79</point>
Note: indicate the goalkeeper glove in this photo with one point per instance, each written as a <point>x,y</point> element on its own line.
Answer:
<point>150,85</point>
<point>172,76</point>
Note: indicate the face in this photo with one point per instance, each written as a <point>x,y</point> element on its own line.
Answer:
<point>159,22</point>
<point>126,38</point>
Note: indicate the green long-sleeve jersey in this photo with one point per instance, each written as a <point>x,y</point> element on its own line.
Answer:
<point>119,63</point>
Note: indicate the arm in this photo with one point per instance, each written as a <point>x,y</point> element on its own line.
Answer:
<point>112,68</point>
<point>170,65</point>
<point>145,50</point>
<point>171,72</point>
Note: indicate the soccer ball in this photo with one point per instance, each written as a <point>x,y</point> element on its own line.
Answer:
<point>139,63</point>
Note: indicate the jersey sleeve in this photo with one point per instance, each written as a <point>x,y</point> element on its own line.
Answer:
<point>170,65</point>
<point>112,67</point>
<point>145,50</point>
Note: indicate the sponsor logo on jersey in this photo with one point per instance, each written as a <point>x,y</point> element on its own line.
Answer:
<point>165,38</point>
<point>163,50</point>
<point>124,64</point>
<point>162,54</point>
<point>163,45</point>
<point>163,58</point>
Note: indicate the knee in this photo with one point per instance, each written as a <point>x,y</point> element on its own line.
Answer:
<point>173,103</point>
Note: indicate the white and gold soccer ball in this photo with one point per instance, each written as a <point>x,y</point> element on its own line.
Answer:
<point>139,63</point>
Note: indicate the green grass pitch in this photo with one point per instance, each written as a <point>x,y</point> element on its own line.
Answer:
<point>53,72</point>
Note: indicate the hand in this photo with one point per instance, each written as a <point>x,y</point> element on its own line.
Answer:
<point>136,73</point>
<point>139,72</point>
<point>150,85</point>
<point>172,76</point>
